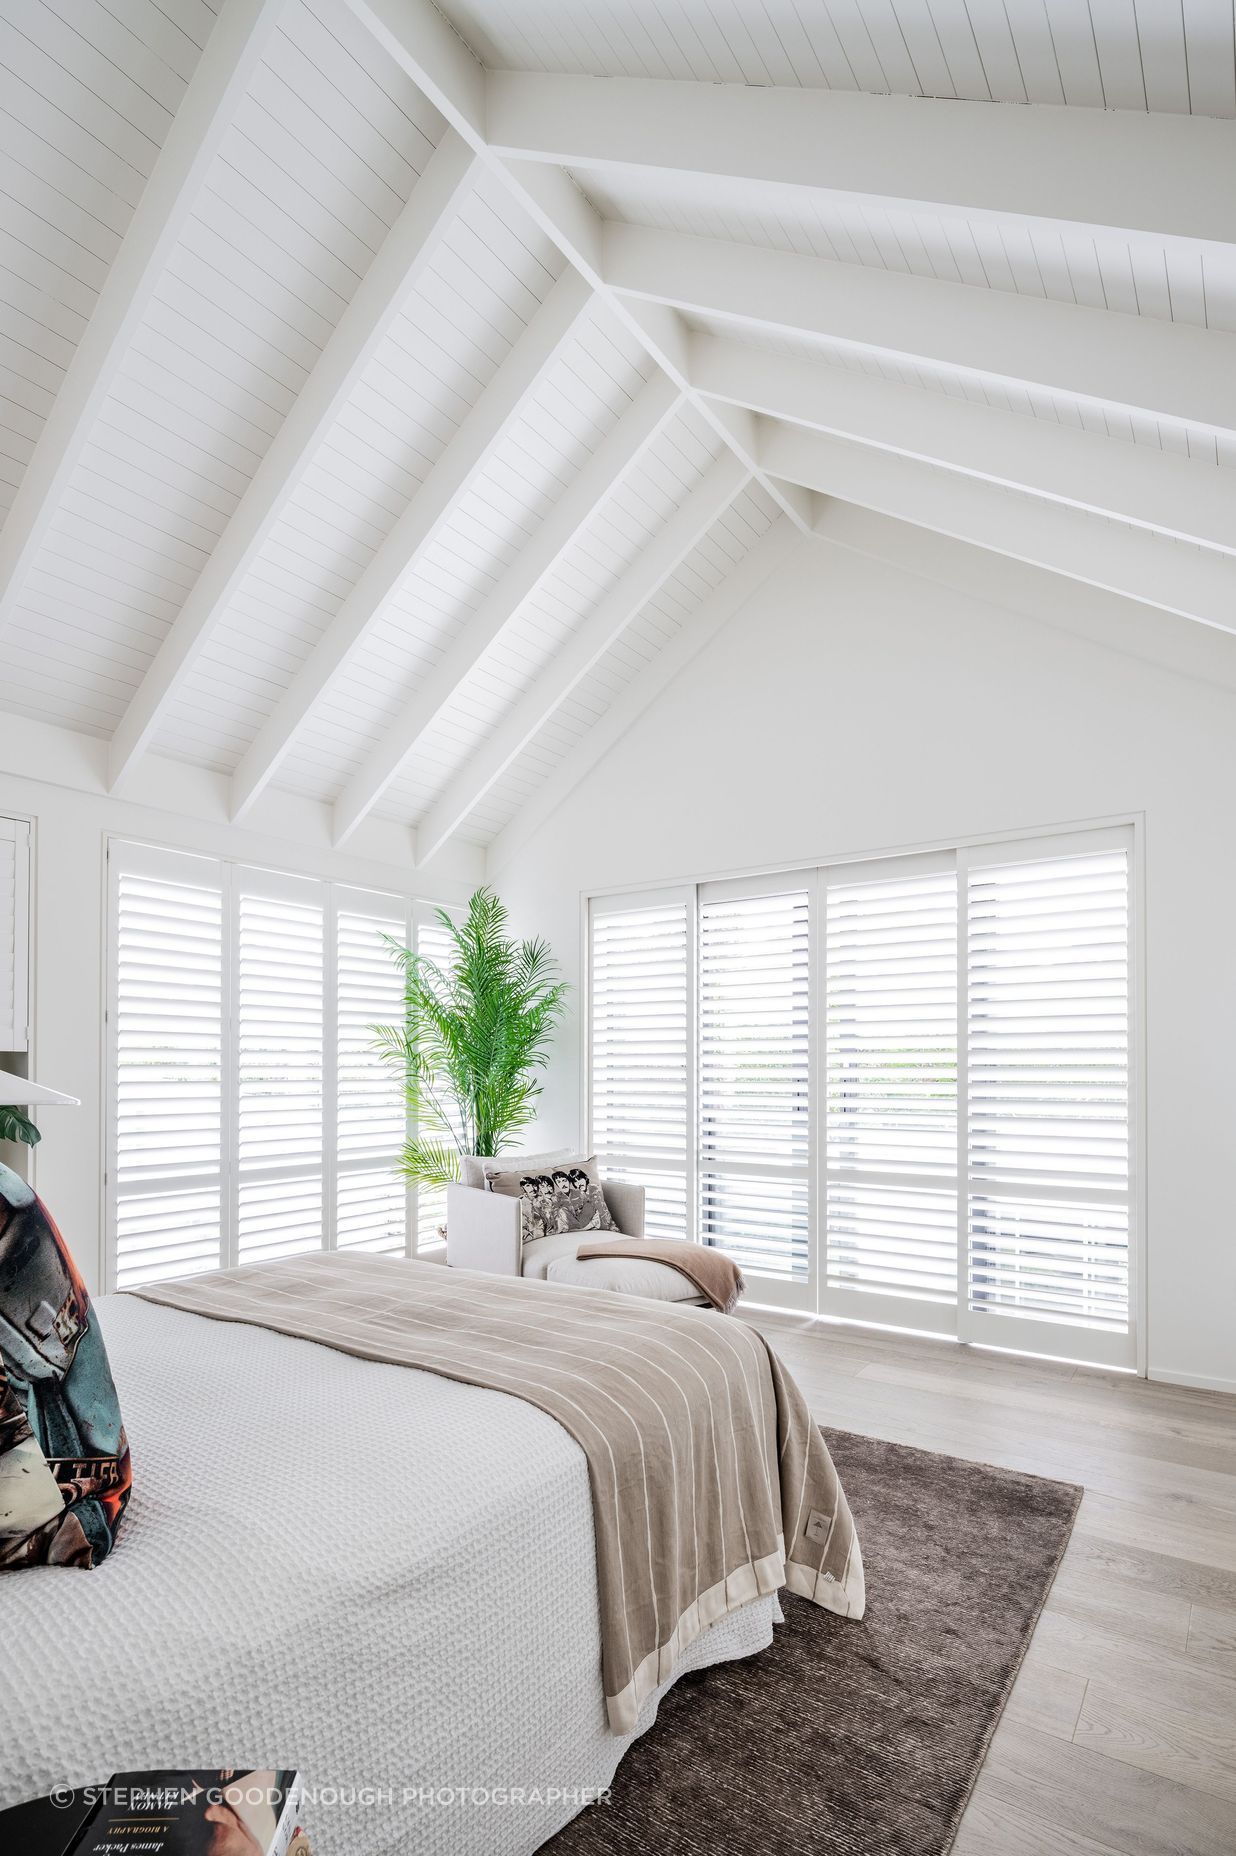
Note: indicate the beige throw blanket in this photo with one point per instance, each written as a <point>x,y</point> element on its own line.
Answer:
<point>712,1272</point>
<point>711,1483</point>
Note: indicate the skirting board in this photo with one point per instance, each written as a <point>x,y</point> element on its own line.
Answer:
<point>1167,1376</point>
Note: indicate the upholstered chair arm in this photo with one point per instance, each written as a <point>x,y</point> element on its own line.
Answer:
<point>484,1231</point>
<point>626,1205</point>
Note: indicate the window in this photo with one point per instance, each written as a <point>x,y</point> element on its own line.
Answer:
<point>895,1090</point>
<point>642,976</point>
<point>754,1084</point>
<point>890,997</point>
<point>251,1118</point>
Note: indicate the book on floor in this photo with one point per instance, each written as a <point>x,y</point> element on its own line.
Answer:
<point>240,1811</point>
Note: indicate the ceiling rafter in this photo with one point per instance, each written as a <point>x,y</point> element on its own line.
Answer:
<point>1004,482</point>
<point>1194,582</point>
<point>579,653</point>
<point>1093,167</point>
<point>411,31</point>
<point>1186,498</point>
<point>1042,164</point>
<point>405,253</point>
<point>767,556</point>
<point>608,467</point>
<point>1166,369</point>
<point>237,42</point>
<point>469,449</point>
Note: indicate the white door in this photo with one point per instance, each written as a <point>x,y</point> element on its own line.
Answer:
<point>14,935</point>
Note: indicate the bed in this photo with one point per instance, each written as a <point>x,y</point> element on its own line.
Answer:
<point>241,1618</point>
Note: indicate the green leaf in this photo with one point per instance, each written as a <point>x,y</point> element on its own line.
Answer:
<point>476,1030</point>
<point>14,1126</point>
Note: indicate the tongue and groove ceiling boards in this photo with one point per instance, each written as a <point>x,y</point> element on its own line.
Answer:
<point>393,398</point>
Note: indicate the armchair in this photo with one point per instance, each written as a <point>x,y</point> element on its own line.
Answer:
<point>484,1230</point>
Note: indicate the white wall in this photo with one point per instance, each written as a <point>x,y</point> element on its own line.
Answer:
<point>176,806</point>
<point>854,707</point>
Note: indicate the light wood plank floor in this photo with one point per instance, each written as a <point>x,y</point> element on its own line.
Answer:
<point>1120,1736</point>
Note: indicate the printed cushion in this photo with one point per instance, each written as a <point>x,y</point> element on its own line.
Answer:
<point>472,1166</point>
<point>64,1458</point>
<point>558,1199</point>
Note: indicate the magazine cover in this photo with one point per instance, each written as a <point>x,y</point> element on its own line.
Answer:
<point>229,1812</point>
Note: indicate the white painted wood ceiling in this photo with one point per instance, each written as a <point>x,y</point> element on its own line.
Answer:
<point>381,482</point>
<point>1162,55</point>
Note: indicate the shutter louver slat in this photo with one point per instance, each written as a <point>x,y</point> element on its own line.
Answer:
<point>280,1080</point>
<point>639,1042</point>
<point>890,987</point>
<point>754,1081</point>
<point>370,1197</point>
<point>168,1096</point>
<point>1048,1125</point>
<point>252,1116</point>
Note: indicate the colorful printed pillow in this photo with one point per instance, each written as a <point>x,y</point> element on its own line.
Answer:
<point>64,1458</point>
<point>555,1199</point>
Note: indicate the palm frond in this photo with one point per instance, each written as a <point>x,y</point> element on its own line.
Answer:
<point>476,1029</point>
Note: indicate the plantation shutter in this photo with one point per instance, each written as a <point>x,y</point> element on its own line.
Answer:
<point>14,934</point>
<point>640,1098</point>
<point>754,1077</point>
<point>890,987</point>
<point>280,1131</point>
<point>437,944</point>
<point>167,1011</point>
<point>1047,1150</point>
<point>371,1198</point>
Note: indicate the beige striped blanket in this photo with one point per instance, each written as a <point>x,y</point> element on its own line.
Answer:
<point>711,1483</point>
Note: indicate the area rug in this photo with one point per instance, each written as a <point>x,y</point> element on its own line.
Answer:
<point>845,1739</point>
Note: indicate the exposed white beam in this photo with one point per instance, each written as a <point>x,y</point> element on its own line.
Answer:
<point>566,217</point>
<point>464,457</point>
<point>411,32</point>
<point>418,37</point>
<point>1177,496</point>
<point>1168,369</point>
<point>767,557</point>
<point>605,470</point>
<point>232,53</point>
<point>1160,572</point>
<point>408,248</point>
<point>1142,172</point>
<point>582,650</point>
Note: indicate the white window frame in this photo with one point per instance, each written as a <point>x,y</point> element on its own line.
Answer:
<point>855,1304</point>
<point>1025,1336</point>
<point>407,915</point>
<point>613,902</point>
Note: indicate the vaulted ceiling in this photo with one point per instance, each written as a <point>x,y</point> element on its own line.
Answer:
<point>389,397</point>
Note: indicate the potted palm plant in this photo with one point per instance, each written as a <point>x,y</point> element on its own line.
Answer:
<point>476,1030</point>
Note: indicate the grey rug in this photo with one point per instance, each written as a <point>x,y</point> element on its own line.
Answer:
<point>845,1739</point>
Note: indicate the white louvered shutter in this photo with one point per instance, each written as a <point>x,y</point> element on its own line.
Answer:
<point>279,1014</point>
<point>890,987</point>
<point>1048,1130</point>
<point>640,1082</point>
<point>371,1198</point>
<point>437,944</point>
<point>14,934</point>
<point>754,1079</point>
<point>167,1030</point>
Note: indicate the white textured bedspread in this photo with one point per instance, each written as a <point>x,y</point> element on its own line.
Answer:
<point>294,1584</point>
